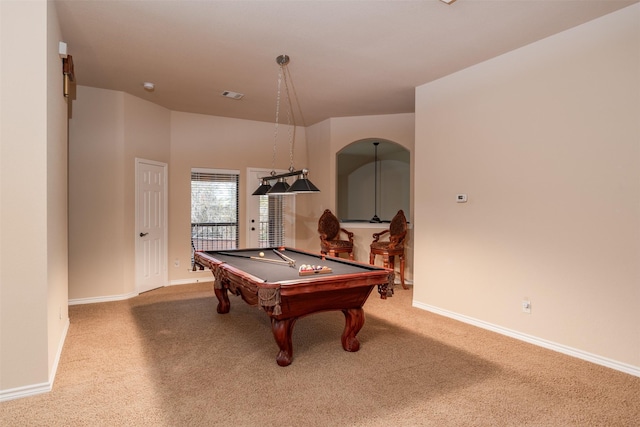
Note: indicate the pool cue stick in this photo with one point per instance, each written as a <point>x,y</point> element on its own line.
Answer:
<point>275,261</point>
<point>291,261</point>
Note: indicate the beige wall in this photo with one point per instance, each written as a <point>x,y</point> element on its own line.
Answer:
<point>321,166</point>
<point>96,195</point>
<point>200,141</point>
<point>331,136</point>
<point>216,142</point>
<point>146,136</point>
<point>57,195</point>
<point>33,199</point>
<point>108,131</point>
<point>545,141</point>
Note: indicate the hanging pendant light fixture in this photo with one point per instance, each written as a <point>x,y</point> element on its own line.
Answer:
<point>302,184</point>
<point>264,187</point>
<point>281,187</point>
<point>375,184</point>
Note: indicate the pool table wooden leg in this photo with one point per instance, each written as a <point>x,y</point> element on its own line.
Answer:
<point>283,333</point>
<point>354,320</point>
<point>223,300</point>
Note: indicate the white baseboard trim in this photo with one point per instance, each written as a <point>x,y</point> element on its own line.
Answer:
<point>560,348</point>
<point>190,281</point>
<point>63,338</point>
<point>93,300</point>
<point>25,391</point>
<point>34,389</point>
<point>109,298</point>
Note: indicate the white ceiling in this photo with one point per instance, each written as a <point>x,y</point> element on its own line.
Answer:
<point>348,58</point>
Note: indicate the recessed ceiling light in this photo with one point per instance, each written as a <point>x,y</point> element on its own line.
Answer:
<point>148,86</point>
<point>447,1</point>
<point>232,95</point>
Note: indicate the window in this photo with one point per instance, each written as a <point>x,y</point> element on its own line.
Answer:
<point>214,209</point>
<point>272,230</point>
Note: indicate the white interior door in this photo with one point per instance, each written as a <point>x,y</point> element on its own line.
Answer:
<point>151,225</point>
<point>253,207</point>
<point>256,221</point>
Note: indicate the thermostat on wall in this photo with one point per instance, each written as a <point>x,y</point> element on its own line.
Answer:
<point>461,198</point>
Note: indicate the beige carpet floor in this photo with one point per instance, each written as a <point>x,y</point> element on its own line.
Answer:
<point>166,358</point>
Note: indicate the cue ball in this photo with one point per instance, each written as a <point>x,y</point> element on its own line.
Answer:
<point>261,254</point>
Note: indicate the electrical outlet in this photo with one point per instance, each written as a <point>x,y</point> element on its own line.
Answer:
<point>526,306</point>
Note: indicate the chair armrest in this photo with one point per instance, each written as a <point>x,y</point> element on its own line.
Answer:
<point>376,236</point>
<point>397,240</point>
<point>348,233</point>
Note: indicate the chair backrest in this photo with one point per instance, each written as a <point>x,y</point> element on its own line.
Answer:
<point>329,225</point>
<point>398,226</point>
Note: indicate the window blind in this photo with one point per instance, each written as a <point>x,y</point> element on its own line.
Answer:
<point>214,209</point>
<point>272,227</point>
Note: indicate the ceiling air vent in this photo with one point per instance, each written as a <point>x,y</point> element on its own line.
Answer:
<point>232,95</point>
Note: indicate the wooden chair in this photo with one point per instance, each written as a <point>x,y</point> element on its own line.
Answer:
<point>393,247</point>
<point>330,242</point>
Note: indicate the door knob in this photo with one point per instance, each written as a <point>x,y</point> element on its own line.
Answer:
<point>143,234</point>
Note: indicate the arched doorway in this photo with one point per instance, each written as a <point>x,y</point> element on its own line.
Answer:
<point>368,188</point>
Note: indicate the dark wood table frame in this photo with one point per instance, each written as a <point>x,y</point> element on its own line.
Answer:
<point>287,298</point>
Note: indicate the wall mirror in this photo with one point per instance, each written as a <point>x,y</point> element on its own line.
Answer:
<point>373,180</point>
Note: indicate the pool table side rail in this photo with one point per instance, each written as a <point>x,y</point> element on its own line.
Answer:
<point>268,295</point>
<point>209,256</point>
<point>375,275</point>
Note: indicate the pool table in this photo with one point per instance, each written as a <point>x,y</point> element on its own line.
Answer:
<point>270,279</point>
